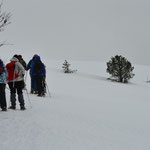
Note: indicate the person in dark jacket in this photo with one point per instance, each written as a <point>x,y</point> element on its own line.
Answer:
<point>33,83</point>
<point>3,77</point>
<point>39,73</point>
<point>15,81</point>
<point>21,60</point>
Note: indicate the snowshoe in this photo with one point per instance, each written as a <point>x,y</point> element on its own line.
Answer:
<point>12,107</point>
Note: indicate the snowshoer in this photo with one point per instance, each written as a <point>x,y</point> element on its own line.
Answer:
<point>33,83</point>
<point>21,60</point>
<point>3,77</point>
<point>15,81</point>
<point>39,73</point>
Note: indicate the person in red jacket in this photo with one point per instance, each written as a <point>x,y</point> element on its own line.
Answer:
<point>15,81</point>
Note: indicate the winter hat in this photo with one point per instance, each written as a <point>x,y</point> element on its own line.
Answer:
<point>35,55</point>
<point>19,55</point>
<point>15,56</point>
<point>37,58</point>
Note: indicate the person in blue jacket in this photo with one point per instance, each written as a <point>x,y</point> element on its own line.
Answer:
<point>33,83</point>
<point>3,78</point>
<point>39,73</point>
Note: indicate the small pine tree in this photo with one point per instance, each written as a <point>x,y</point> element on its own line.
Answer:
<point>120,68</point>
<point>66,67</point>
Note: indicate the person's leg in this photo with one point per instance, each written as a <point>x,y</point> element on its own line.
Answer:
<point>3,102</point>
<point>34,83</point>
<point>43,86</point>
<point>39,84</point>
<point>12,94</point>
<point>20,94</point>
<point>1,97</point>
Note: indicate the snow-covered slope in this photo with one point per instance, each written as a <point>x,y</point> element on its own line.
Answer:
<point>86,112</point>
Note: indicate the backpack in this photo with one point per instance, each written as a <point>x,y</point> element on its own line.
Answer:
<point>10,69</point>
<point>23,63</point>
<point>38,67</point>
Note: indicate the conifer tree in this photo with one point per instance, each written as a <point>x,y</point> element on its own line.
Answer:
<point>120,69</point>
<point>66,67</point>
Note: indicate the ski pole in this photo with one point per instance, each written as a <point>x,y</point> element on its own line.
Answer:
<point>9,100</point>
<point>48,89</point>
<point>26,74</point>
<point>27,90</point>
<point>28,97</point>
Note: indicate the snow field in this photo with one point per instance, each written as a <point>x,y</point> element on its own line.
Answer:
<point>86,112</point>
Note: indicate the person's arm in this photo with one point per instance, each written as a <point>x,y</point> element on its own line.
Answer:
<point>5,71</point>
<point>29,65</point>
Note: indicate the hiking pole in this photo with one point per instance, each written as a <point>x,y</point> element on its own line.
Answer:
<point>48,89</point>
<point>26,73</point>
<point>9,100</point>
<point>28,97</point>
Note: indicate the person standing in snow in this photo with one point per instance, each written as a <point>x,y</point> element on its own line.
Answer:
<point>21,60</point>
<point>15,81</point>
<point>3,77</point>
<point>39,73</point>
<point>33,83</point>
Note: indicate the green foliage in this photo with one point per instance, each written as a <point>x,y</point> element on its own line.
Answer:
<point>120,69</point>
<point>66,67</point>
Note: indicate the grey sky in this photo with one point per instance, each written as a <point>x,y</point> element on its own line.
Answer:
<point>80,29</point>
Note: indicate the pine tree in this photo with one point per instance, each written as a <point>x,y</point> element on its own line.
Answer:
<point>66,67</point>
<point>120,69</point>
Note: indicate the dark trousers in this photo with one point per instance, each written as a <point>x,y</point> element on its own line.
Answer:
<point>2,96</point>
<point>16,87</point>
<point>33,84</point>
<point>39,83</point>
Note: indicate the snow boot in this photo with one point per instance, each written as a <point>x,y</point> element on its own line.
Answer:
<point>22,108</point>
<point>21,101</point>
<point>4,109</point>
<point>12,107</point>
<point>13,101</point>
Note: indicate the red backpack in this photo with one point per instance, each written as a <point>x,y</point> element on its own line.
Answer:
<point>10,69</point>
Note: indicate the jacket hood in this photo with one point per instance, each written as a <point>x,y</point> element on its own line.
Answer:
<point>14,59</point>
<point>37,58</point>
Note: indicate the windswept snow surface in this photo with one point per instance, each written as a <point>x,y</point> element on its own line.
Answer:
<point>86,112</point>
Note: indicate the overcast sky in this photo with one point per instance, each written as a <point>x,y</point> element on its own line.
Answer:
<point>79,29</point>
